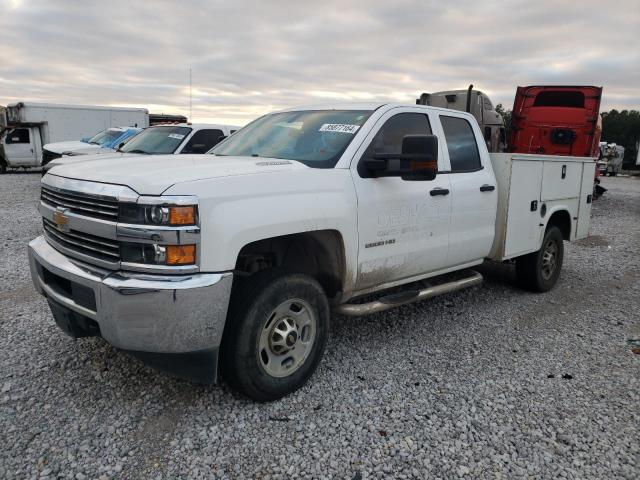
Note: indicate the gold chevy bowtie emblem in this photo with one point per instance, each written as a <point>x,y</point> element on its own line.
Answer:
<point>61,220</point>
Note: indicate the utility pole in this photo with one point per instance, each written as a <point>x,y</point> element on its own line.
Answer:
<point>190,97</point>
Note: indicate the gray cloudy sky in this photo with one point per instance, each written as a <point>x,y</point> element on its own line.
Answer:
<point>251,57</point>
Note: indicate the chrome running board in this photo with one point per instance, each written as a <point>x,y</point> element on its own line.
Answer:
<point>407,296</point>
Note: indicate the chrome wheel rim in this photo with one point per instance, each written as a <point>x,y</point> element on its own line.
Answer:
<point>549,259</point>
<point>287,338</point>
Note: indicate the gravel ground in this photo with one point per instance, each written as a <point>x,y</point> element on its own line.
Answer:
<point>489,383</point>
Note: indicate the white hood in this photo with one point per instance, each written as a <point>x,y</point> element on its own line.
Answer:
<point>153,174</point>
<point>107,154</point>
<point>74,146</point>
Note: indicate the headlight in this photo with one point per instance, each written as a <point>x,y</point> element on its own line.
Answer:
<point>158,214</point>
<point>153,254</point>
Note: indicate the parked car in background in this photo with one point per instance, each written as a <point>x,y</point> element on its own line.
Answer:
<point>162,139</point>
<point>611,158</point>
<point>32,125</point>
<point>103,142</point>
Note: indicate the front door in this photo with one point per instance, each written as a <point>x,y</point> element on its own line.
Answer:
<point>19,147</point>
<point>403,225</point>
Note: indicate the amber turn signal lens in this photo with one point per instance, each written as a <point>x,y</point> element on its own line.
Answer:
<point>182,215</point>
<point>181,254</point>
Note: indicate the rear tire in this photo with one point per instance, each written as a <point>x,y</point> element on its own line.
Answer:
<point>275,334</point>
<point>539,271</point>
<point>3,168</point>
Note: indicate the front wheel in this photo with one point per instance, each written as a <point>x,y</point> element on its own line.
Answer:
<point>539,271</point>
<point>275,335</point>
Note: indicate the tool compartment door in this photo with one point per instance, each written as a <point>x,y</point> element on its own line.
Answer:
<point>561,180</point>
<point>523,214</point>
<point>586,196</point>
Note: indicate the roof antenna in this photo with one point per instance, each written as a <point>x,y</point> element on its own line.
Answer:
<point>190,97</point>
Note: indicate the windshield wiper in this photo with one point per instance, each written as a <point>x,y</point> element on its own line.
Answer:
<point>94,143</point>
<point>137,151</point>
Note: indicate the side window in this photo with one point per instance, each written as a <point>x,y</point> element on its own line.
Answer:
<point>487,134</point>
<point>389,137</point>
<point>18,135</point>
<point>461,143</point>
<point>202,141</point>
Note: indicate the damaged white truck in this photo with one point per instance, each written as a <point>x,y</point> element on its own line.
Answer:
<point>234,261</point>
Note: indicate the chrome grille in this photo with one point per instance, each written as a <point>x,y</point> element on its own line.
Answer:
<point>81,203</point>
<point>98,248</point>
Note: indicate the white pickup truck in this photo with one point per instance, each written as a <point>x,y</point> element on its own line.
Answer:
<point>174,139</point>
<point>236,259</point>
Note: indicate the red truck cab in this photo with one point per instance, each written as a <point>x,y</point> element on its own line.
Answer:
<point>556,120</point>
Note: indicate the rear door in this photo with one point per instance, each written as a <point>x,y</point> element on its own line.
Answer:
<point>20,147</point>
<point>474,194</point>
<point>403,225</point>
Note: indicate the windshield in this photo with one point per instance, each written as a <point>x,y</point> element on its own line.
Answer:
<point>316,138</point>
<point>105,136</point>
<point>157,140</point>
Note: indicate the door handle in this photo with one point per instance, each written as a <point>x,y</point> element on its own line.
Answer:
<point>439,191</point>
<point>487,188</point>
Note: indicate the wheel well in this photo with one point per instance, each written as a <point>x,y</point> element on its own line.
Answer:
<point>319,254</point>
<point>562,220</point>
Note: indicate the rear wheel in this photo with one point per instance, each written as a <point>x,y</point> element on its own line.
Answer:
<point>275,334</point>
<point>3,167</point>
<point>539,271</point>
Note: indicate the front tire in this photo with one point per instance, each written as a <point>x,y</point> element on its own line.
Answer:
<point>539,271</point>
<point>275,335</point>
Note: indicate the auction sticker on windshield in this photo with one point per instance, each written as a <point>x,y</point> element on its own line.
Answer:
<point>177,136</point>
<point>339,127</point>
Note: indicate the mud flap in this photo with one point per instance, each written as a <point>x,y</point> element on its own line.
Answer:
<point>198,367</point>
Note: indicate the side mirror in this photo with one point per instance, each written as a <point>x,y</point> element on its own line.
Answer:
<point>199,148</point>
<point>418,160</point>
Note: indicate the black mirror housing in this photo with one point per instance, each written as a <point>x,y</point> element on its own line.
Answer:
<point>199,148</point>
<point>418,160</point>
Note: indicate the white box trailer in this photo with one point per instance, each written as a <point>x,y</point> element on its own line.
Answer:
<point>32,125</point>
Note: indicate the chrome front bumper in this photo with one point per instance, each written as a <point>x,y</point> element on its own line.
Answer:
<point>136,312</point>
